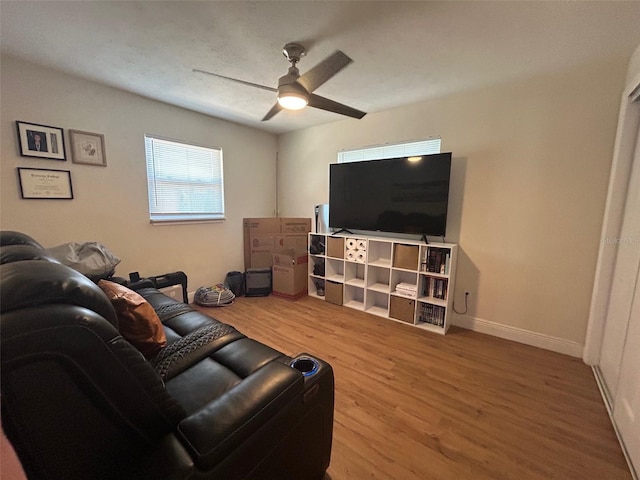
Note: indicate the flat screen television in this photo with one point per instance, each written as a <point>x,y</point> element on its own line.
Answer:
<point>398,195</point>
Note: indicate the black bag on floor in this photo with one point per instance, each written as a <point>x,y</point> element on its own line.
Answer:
<point>234,281</point>
<point>257,282</point>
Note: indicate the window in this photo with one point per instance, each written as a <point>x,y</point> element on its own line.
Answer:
<point>185,181</point>
<point>391,150</point>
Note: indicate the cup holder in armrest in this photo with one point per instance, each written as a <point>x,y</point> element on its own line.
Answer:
<point>306,365</point>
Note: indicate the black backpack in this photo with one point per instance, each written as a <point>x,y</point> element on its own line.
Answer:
<point>234,281</point>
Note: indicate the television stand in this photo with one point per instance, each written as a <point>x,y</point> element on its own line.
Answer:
<point>403,280</point>
<point>343,230</point>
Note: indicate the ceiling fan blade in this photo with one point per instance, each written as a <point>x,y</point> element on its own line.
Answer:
<point>275,109</point>
<point>263,87</point>
<point>324,71</point>
<point>325,104</point>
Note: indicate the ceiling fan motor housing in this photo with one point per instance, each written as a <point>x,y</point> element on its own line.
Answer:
<point>293,52</point>
<point>293,89</point>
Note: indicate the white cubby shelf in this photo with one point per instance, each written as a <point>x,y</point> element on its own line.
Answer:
<point>403,280</point>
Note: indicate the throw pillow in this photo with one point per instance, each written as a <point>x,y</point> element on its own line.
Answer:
<point>139,322</point>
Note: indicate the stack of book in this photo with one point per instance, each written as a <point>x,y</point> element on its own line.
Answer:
<point>436,260</point>
<point>407,289</point>
<point>435,287</point>
<point>432,314</point>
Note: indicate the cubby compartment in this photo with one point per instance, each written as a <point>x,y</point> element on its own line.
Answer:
<point>431,316</point>
<point>435,259</point>
<point>406,256</point>
<point>335,247</point>
<point>354,274</point>
<point>378,278</point>
<point>355,250</point>
<point>404,283</point>
<point>379,253</point>
<point>317,266</point>
<point>402,309</point>
<point>317,244</point>
<point>377,303</point>
<point>316,287</point>
<point>334,270</point>
<point>353,297</point>
<point>434,289</point>
<point>333,292</point>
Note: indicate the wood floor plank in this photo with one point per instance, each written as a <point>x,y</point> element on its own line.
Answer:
<point>413,405</point>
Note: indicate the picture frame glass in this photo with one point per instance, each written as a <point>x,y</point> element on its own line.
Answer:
<point>45,183</point>
<point>41,141</point>
<point>87,148</point>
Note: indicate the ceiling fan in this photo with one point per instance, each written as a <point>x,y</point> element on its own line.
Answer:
<point>295,91</point>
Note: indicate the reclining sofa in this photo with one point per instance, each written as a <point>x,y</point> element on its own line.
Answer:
<point>81,402</point>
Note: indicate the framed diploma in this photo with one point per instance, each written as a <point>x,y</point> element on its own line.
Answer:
<point>45,183</point>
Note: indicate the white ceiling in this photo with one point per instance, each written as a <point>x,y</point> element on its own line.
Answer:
<point>403,52</point>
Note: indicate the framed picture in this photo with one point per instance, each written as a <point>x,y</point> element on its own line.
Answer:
<point>45,183</point>
<point>40,141</point>
<point>87,148</point>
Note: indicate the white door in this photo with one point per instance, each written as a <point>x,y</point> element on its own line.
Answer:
<point>626,410</point>
<point>624,282</point>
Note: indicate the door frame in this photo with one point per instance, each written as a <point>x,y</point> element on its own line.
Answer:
<point>623,153</point>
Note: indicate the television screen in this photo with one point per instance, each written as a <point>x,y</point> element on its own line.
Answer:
<point>399,195</point>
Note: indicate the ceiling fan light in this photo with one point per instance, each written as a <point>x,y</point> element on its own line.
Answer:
<point>292,101</point>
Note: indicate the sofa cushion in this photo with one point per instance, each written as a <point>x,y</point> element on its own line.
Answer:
<point>31,283</point>
<point>138,321</point>
<point>18,253</point>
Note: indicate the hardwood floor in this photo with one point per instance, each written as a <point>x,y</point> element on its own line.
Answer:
<point>412,405</point>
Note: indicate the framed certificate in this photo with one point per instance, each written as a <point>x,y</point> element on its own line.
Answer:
<point>45,183</point>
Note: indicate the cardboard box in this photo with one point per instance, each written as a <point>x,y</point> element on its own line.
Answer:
<point>402,309</point>
<point>333,292</point>
<point>262,236</point>
<point>298,242</point>
<point>335,247</point>
<point>295,225</point>
<point>290,272</point>
<point>406,256</point>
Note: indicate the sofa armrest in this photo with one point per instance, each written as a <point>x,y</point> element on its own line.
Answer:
<point>139,284</point>
<point>220,427</point>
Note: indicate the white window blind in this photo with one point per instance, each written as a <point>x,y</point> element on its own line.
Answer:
<point>392,150</point>
<point>185,182</point>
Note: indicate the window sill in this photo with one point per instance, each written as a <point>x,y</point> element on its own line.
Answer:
<point>186,221</point>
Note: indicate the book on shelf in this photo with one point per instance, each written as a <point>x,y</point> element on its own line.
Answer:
<point>436,261</point>
<point>435,288</point>
<point>432,314</point>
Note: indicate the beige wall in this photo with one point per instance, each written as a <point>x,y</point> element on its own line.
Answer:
<point>529,179</point>
<point>110,204</point>
<point>634,66</point>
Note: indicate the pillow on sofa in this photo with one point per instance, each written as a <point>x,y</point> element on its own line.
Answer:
<point>139,323</point>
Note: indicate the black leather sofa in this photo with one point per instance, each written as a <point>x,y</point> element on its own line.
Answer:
<point>80,402</point>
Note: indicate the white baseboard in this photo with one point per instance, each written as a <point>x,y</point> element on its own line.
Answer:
<point>540,340</point>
